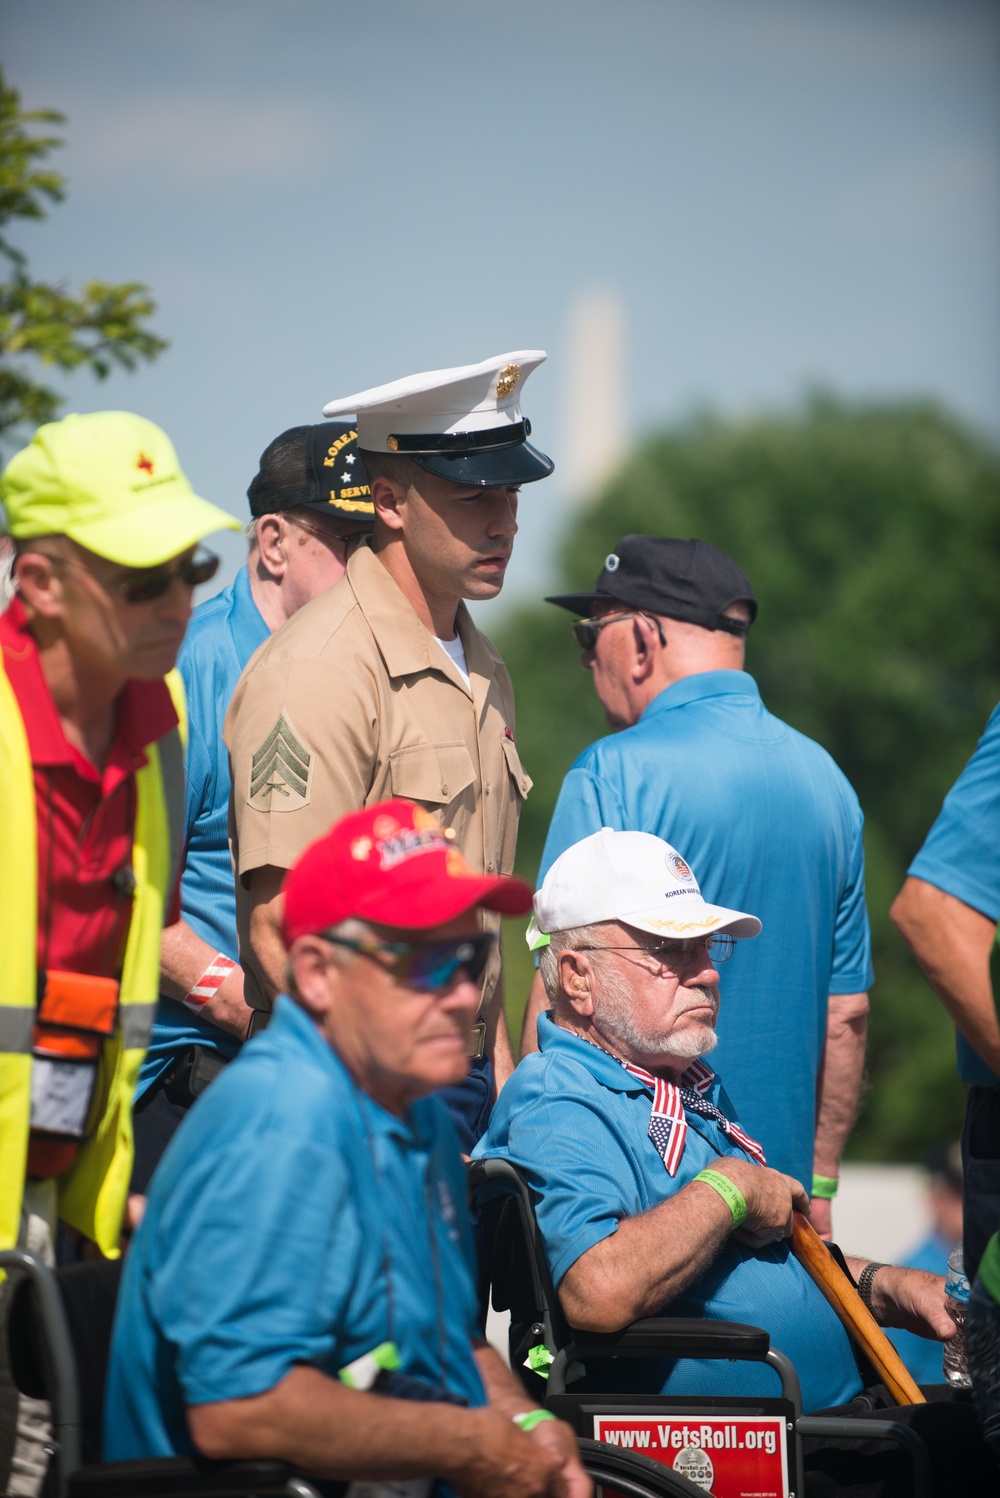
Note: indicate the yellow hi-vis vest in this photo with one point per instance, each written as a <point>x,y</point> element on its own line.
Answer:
<point>93,1191</point>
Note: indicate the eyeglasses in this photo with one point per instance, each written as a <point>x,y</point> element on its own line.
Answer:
<point>428,967</point>
<point>144,584</point>
<point>585,631</point>
<point>676,957</point>
<point>349,540</point>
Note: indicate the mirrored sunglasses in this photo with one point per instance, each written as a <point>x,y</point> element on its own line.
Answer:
<point>427,967</point>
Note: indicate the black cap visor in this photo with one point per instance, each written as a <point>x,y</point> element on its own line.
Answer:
<point>584,604</point>
<point>488,467</point>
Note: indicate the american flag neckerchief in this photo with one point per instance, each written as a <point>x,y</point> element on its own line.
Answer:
<point>667,1124</point>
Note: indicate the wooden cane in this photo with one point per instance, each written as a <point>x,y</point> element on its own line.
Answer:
<point>814,1256</point>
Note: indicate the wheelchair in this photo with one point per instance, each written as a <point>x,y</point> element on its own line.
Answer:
<point>548,1354</point>
<point>59,1334</point>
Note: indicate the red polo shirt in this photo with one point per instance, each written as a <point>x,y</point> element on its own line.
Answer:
<point>85,815</point>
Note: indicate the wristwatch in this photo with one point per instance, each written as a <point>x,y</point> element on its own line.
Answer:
<point>865,1281</point>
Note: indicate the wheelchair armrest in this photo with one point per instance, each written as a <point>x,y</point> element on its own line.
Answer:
<point>675,1337</point>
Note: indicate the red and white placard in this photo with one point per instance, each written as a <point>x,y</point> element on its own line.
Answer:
<point>730,1456</point>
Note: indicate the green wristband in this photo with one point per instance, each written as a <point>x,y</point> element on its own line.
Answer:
<point>531,1418</point>
<point>731,1195</point>
<point>825,1187</point>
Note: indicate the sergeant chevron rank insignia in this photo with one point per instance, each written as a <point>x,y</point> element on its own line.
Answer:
<point>281,771</point>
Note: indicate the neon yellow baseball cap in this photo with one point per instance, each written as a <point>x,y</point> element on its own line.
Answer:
<point>112,483</point>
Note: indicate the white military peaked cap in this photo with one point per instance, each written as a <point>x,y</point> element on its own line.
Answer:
<point>464,424</point>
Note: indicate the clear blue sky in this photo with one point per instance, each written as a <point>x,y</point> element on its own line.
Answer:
<point>325,196</point>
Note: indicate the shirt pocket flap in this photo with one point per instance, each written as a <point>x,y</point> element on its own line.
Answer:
<point>520,776</point>
<point>432,773</point>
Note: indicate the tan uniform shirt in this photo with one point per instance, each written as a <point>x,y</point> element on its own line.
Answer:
<point>353,701</point>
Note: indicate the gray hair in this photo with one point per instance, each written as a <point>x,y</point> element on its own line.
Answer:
<point>7,555</point>
<point>351,930</point>
<point>570,940</point>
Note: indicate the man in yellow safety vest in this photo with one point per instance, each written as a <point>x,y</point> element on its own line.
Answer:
<point>104,527</point>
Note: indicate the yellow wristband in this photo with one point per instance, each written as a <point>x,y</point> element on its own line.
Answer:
<point>731,1195</point>
<point>825,1187</point>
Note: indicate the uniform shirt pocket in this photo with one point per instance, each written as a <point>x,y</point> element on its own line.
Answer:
<point>432,773</point>
<point>522,780</point>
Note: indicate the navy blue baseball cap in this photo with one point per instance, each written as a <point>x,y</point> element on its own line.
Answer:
<point>314,468</point>
<point>689,580</point>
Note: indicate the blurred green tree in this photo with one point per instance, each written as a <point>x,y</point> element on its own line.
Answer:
<point>871,533</point>
<point>102,327</point>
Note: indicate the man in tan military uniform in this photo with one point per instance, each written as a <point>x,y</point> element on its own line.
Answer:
<point>383,686</point>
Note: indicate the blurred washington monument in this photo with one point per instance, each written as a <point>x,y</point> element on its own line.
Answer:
<point>594,421</point>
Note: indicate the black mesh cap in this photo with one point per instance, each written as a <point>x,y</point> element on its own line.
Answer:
<point>314,468</point>
<point>689,580</point>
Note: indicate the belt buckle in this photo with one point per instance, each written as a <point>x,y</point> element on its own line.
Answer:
<point>477,1041</point>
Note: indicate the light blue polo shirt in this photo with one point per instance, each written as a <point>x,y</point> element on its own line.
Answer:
<point>223,634</point>
<point>291,1220</point>
<point>961,855</point>
<point>770,826</point>
<point>578,1124</point>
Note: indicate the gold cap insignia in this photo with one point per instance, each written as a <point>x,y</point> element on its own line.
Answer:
<point>392,444</point>
<point>507,380</point>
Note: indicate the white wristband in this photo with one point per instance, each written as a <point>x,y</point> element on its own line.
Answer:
<point>209,983</point>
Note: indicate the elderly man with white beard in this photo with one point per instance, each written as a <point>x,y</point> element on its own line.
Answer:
<point>651,1199</point>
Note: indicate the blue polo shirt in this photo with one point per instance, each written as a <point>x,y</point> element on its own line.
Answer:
<point>223,634</point>
<point>961,855</point>
<point>770,826</point>
<point>578,1123</point>
<point>291,1220</point>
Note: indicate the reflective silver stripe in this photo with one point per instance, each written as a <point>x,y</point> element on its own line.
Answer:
<point>15,1029</point>
<point>172,772</point>
<point>136,1025</point>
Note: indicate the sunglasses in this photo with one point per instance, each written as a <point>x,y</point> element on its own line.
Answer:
<point>427,967</point>
<point>585,631</point>
<point>144,584</point>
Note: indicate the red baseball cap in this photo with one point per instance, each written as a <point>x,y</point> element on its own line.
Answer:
<point>392,864</point>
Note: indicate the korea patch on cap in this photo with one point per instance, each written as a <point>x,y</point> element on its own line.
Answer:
<point>314,468</point>
<point>463,424</point>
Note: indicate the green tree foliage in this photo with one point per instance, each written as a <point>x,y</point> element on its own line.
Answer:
<point>39,322</point>
<point>872,536</point>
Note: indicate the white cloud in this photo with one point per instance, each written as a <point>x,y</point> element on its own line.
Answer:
<point>191,140</point>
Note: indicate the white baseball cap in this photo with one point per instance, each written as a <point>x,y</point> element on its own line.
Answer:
<point>632,877</point>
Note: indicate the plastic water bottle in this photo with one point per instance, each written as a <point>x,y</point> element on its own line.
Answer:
<point>956,1300</point>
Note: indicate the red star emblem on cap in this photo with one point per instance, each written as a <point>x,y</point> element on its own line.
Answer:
<point>146,464</point>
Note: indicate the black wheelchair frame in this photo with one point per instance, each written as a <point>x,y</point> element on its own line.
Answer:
<point>537,1320</point>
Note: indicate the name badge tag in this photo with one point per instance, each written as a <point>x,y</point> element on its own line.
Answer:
<point>409,1487</point>
<point>61,1093</point>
